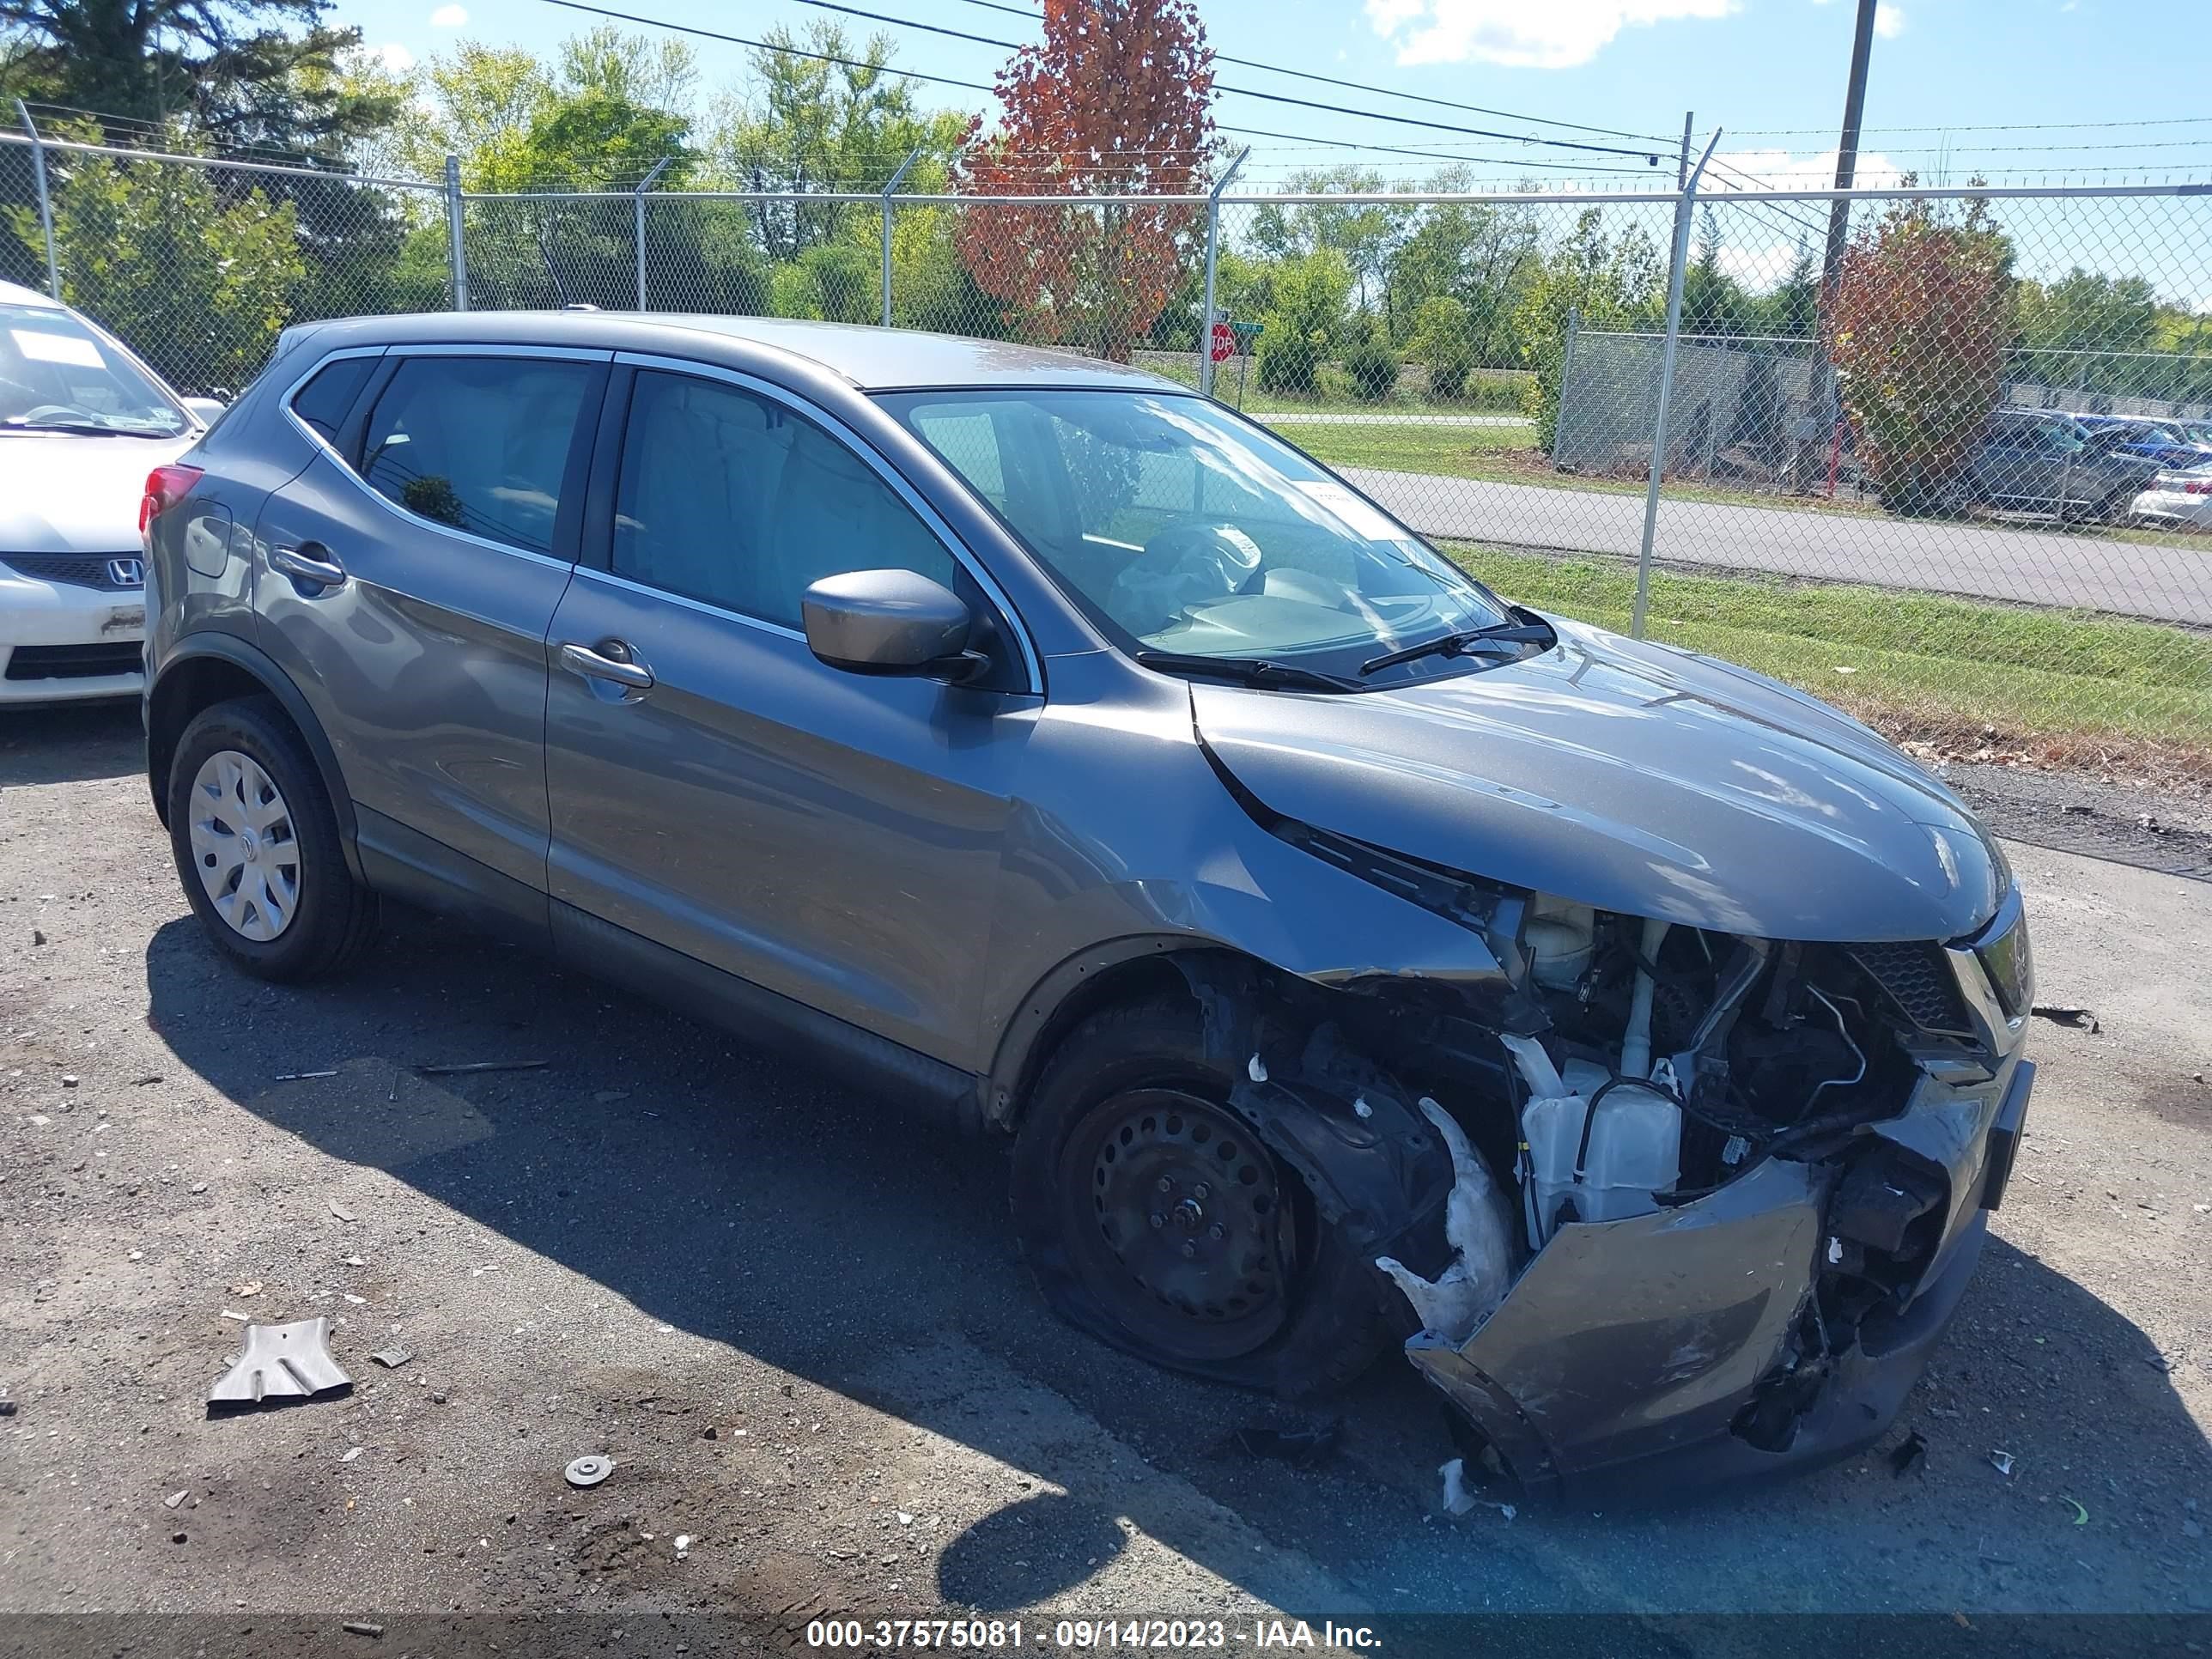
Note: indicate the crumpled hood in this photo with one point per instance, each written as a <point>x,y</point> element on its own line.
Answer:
<point>65,494</point>
<point>1633,777</point>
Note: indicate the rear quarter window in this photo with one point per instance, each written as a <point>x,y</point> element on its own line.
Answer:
<point>328,397</point>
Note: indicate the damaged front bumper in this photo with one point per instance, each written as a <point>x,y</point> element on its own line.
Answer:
<point>1690,1347</point>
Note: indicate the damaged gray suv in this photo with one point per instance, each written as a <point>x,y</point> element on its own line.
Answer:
<point>1356,959</point>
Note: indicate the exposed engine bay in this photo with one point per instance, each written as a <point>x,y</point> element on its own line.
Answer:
<point>1699,1182</point>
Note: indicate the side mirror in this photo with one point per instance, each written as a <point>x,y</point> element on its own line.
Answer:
<point>889,621</point>
<point>205,408</point>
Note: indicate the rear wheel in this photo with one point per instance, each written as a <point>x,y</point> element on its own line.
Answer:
<point>1157,1221</point>
<point>257,846</point>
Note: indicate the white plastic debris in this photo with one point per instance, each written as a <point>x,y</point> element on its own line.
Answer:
<point>2000,1462</point>
<point>350,1456</point>
<point>1258,1071</point>
<point>1480,1229</point>
<point>1457,1500</point>
<point>683,1545</point>
<point>1361,1109</point>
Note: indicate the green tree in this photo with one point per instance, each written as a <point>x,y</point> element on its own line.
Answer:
<point>1481,254</point>
<point>1305,320</point>
<point>200,287</point>
<point>1443,339</point>
<point>1793,309</point>
<point>236,72</point>
<point>1713,302</point>
<point>2074,330</point>
<point>1365,234</point>
<point>1608,282</point>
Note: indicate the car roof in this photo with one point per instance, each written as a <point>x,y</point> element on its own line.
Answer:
<point>871,359</point>
<point>14,293</point>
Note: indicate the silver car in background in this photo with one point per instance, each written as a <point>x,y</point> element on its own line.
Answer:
<point>1356,958</point>
<point>82,421</point>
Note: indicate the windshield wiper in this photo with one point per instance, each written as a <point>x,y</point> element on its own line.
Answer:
<point>1454,645</point>
<point>1253,670</point>
<point>82,428</point>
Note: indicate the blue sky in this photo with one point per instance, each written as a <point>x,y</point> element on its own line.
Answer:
<point>1770,72</point>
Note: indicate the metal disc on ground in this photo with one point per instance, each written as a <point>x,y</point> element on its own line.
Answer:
<point>589,1471</point>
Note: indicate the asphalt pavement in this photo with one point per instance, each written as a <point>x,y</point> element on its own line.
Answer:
<point>793,1317</point>
<point>2020,562</point>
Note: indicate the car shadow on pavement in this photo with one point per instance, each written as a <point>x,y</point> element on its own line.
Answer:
<point>826,1233</point>
<point>70,742</point>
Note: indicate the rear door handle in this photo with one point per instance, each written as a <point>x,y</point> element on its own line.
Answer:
<point>580,659</point>
<point>303,567</point>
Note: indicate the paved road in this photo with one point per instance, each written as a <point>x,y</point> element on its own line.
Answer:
<point>2026,565</point>
<point>659,1237</point>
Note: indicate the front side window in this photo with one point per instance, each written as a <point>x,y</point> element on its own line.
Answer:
<point>478,443</point>
<point>1180,529</point>
<point>731,498</point>
<point>57,376</point>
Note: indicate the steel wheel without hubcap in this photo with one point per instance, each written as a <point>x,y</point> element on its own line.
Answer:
<point>245,847</point>
<point>1190,1244</point>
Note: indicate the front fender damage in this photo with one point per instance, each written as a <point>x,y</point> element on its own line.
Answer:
<point>1672,1207</point>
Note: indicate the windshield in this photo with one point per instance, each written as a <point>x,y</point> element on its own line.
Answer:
<point>1180,528</point>
<point>56,374</point>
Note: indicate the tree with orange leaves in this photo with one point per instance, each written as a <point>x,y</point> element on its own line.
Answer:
<point>1117,101</point>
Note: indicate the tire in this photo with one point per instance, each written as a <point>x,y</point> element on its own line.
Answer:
<point>307,918</point>
<point>1308,1320</point>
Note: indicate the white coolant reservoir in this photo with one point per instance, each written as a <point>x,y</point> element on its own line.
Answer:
<point>1635,1150</point>
<point>1561,938</point>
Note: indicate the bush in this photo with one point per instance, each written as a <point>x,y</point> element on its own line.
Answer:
<point>1373,367</point>
<point>1442,340</point>
<point>848,283</point>
<point>1305,322</point>
<point>1924,312</point>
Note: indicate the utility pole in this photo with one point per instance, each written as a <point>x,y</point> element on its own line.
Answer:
<point>1847,148</point>
<point>1682,166</point>
<point>1831,264</point>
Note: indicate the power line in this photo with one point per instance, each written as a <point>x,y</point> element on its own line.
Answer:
<point>766,45</point>
<point>1650,158</point>
<point>1387,92</point>
<point>1427,155</point>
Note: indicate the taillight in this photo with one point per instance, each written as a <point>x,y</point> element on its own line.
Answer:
<point>165,487</point>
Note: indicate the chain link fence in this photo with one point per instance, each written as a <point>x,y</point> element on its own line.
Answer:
<point>1952,470</point>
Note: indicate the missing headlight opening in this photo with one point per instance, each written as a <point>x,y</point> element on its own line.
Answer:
<point>1711,1196</point>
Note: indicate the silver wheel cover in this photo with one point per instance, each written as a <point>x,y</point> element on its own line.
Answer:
<point>244,847</point>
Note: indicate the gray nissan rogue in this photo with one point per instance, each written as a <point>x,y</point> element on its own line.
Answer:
<point>1354,956</point>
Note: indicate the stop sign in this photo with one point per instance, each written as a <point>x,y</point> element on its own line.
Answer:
<point>1223,345</point>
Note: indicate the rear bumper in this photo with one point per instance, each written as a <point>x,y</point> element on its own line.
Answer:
<point>1667,1353</point>
<point>54,639</point>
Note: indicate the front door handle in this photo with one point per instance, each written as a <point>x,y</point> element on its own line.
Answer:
<point>303,567</point>
<point>581,659</point>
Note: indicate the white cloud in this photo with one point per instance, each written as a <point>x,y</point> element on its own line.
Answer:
<point>1888,20</point>
<point>450,17</point>
<point>1554,34</point>
<point>394,57</point>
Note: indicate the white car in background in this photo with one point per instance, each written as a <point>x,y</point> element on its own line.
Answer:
<point>2176,500</point>
<point>81,422</point>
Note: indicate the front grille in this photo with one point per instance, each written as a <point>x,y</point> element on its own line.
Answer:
<point>75,662</point>
<point>94,570</point>
<point>1918,979</point>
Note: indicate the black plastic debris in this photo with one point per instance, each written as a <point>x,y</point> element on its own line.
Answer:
<point>1302,1446</point>
<point>1910,1455</point>
<point>2060,1013</point>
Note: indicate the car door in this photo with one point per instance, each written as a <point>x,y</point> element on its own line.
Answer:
<point>406,580</point>
<point>2008,462</point>
<point>833,838</point>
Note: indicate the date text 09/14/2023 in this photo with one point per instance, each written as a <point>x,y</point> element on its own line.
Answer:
<point>1008,1635</point>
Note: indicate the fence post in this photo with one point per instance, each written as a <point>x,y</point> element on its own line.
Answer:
<point>1567,374</point>
<point>1684,206</point>
<point>455,251</point>
<point>890,189</point>
<point>637,205</point>
<point>1212,262</point>
<point>46,204</point>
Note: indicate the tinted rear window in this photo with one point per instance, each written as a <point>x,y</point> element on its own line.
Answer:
<point>327,398</point>
<point>478,443</point>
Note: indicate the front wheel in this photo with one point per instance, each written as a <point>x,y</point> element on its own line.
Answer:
<point>1157,1221</point>
<point>257,846</point>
